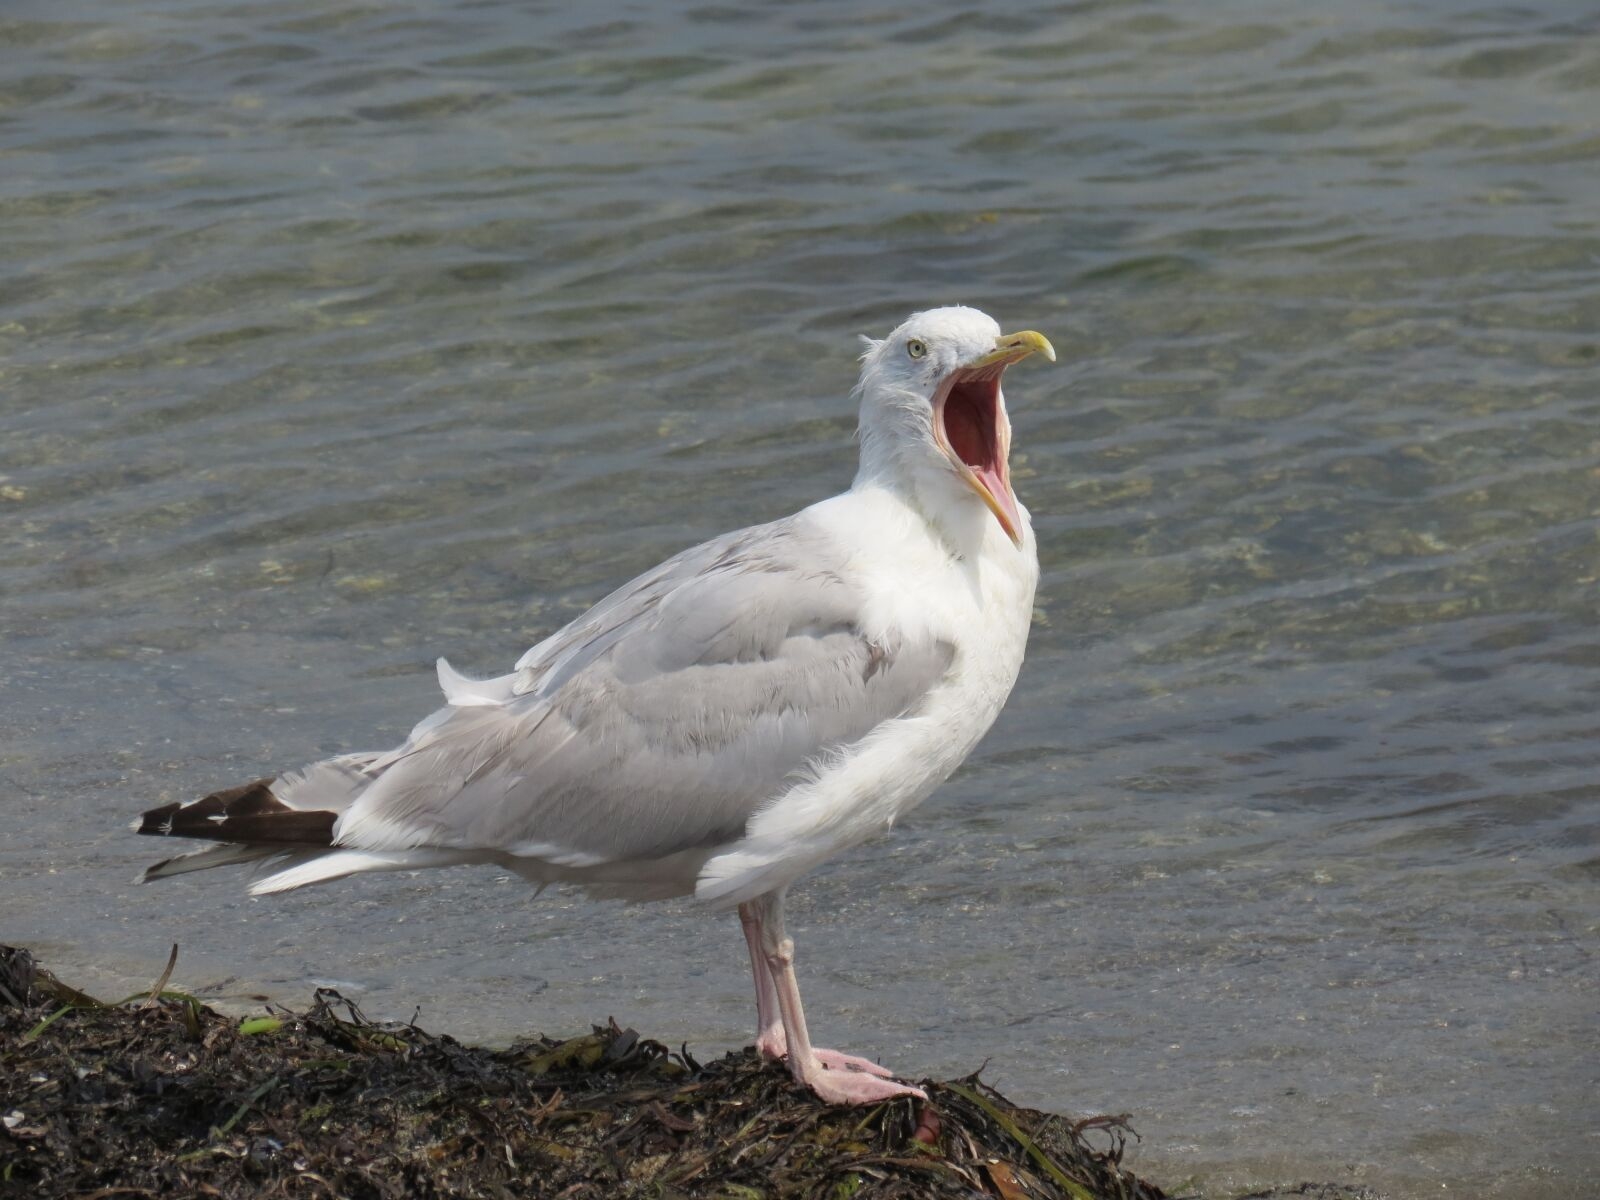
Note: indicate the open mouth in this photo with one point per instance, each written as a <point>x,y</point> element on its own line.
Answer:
<point>969,421</point>
<point>971,427</point>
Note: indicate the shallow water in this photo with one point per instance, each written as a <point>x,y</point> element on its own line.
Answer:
<point>336,336</point>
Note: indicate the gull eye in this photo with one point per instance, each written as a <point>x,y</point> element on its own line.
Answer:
<point>917,348</point>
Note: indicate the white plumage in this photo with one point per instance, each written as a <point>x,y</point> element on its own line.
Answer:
<point>728,720</point>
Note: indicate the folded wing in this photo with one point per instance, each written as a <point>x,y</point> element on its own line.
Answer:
<point>656,724</point>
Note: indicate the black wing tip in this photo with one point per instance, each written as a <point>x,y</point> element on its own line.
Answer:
<point>248,813</point>
<point>158,821</point>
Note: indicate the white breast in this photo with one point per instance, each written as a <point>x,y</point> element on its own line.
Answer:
<point>913,589</point>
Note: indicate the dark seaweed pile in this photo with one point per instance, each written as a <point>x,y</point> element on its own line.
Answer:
<point>160,1095</point>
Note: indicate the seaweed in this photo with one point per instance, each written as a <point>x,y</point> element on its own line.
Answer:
<point>160,1095</point>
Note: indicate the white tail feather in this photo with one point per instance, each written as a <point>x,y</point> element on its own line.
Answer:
<point>336,863</point>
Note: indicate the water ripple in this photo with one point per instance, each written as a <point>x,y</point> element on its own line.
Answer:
<point>334,336</point>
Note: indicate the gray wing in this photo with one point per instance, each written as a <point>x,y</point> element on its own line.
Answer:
<point>658,722</point>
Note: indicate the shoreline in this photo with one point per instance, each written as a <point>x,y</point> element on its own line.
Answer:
<point>159,1094</point>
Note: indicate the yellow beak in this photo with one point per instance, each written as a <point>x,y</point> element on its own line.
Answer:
<point>1013,347</point>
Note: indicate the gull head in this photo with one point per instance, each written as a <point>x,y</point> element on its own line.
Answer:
<point>932,409</point>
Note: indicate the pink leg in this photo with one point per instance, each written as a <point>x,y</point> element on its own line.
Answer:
<point>834,1085</point>
<point>770,1039</point>
<point>769,1023</point>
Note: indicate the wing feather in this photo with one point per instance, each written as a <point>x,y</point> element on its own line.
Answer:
<point>660,721</point>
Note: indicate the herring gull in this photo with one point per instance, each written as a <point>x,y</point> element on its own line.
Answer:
<point>723,723</point>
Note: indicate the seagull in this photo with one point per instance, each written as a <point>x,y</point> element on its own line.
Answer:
<point>731,718</point>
